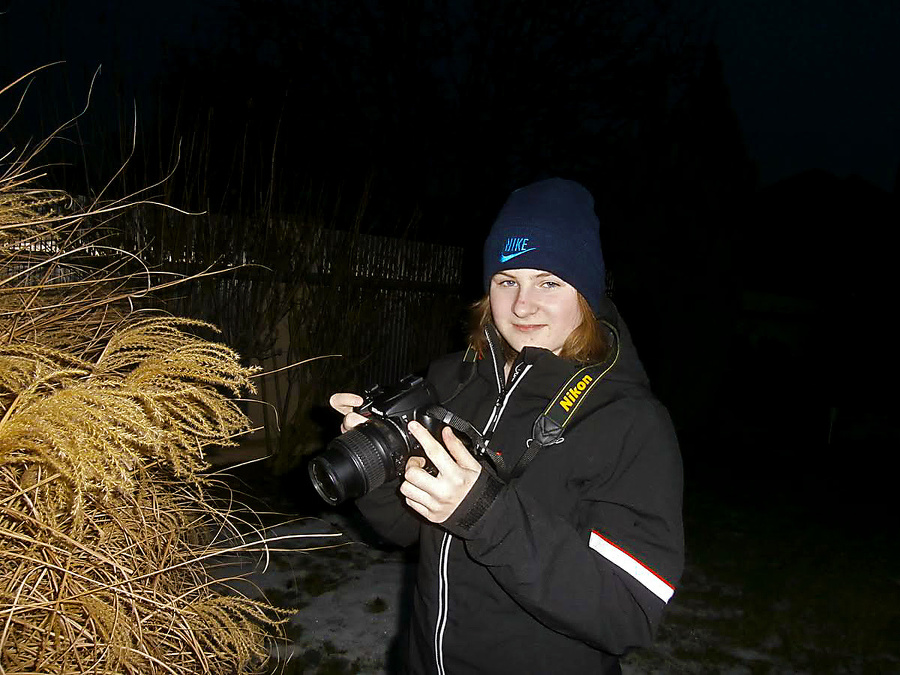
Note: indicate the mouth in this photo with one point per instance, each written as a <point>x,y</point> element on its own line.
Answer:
<point>527,327</point>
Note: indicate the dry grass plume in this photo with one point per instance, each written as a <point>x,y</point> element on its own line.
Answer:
<point>106,523</point>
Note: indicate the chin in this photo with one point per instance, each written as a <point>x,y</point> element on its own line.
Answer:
<point>522,344</point>
<point>519,341</point>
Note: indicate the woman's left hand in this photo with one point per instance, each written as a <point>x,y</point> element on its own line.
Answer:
<point>436,497</point>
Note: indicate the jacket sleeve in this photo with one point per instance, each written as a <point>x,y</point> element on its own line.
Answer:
<point>604,574</point>
<point>387,513</point>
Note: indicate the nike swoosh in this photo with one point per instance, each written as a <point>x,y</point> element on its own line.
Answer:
<point>504,257</point>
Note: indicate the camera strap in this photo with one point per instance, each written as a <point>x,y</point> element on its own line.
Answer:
<point>467,368</point>
<point>549,426</point>
<point>457,423</point>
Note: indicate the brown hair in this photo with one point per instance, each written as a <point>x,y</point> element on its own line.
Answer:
<point>585,344</point>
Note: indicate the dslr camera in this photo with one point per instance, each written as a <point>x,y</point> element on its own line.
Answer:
<point>376,451</point>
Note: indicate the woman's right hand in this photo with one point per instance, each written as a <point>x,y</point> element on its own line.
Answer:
<point>344,403</point>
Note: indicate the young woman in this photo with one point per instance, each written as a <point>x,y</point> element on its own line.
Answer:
<point>559,556</point>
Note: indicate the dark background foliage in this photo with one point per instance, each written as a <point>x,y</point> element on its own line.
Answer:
<point>759,304</point>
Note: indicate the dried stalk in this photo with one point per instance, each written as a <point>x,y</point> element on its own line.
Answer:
<point>106,516</point>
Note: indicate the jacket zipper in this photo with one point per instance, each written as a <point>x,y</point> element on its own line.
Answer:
<point>443,589</point>
<point>516,376</point>
<point>505,391</point>
<point>504,386</point>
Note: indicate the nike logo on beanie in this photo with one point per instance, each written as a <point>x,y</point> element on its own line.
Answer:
<point>509,256</point>
<point>515,246</point>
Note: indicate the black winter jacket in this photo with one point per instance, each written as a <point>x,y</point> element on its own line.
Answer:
<point>565,567</point>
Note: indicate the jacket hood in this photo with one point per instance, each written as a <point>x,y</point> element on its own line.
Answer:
<point>628,368</point>
<point>548,372</point>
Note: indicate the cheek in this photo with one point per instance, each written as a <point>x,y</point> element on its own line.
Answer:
<point>570,315</point>
<point>499,305</point>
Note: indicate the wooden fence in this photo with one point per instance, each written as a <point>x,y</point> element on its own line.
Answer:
<point>388,306</point>
<point>413,289</point>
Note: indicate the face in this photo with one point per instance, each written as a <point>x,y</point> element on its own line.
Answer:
<point>533,308</point>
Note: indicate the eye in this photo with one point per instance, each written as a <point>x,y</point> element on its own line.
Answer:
<point>551,284</point>
<point>506,282</point>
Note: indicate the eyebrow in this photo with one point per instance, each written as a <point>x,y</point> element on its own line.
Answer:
<point>539,275</point>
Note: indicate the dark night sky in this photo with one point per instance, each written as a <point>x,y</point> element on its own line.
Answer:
<point>813,81</point>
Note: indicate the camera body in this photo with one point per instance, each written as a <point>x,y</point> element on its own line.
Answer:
<point>376,451</point>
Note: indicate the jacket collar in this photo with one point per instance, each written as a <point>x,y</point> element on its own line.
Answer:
<point>546,370</point>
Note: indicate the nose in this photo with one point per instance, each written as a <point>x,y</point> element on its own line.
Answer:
<point>524,305</point>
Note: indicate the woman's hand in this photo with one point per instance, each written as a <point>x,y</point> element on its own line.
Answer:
<point>436,497</point>
<point>345,403</point>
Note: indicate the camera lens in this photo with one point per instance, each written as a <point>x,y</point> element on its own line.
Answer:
<point>326,477</point>
<point>357,461</point>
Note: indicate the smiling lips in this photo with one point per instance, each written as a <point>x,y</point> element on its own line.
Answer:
<point>527,327</point>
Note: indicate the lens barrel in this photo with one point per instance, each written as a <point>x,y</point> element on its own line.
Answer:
<point>358,461</point>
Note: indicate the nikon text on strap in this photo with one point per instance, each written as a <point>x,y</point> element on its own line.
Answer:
<point>549,426</point>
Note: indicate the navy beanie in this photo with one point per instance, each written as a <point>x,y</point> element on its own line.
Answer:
<point>551,226</point>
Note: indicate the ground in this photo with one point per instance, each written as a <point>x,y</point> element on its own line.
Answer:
<point>774,585</point>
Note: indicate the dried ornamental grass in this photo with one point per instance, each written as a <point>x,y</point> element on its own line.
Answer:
<point>122,591</point>
<point>104,523</point>
<point>107,525</point>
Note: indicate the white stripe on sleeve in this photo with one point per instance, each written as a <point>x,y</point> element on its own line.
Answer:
<point>650,579</point>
